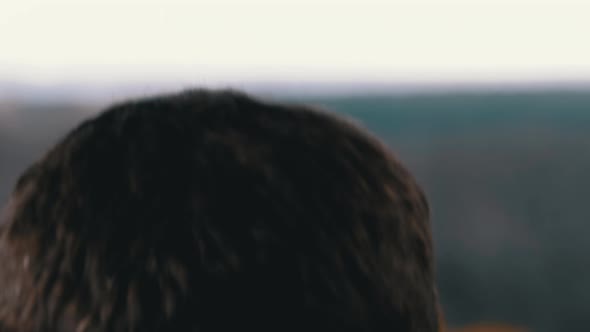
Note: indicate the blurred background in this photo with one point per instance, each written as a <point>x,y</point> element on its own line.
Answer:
<point>488,103</point>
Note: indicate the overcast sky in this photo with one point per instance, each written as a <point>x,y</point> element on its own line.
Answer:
<point>418,40</point>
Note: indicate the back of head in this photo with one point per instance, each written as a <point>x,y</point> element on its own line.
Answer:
<point>213,211</point>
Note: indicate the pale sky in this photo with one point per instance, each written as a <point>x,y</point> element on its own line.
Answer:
<point>418,40</point>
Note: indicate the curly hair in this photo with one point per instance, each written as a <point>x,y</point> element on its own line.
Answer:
<point>215,211</point>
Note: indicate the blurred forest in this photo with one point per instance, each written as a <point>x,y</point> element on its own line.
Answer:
<point>506,173</point>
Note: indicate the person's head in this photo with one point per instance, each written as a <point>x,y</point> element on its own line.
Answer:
<point>212,211</point>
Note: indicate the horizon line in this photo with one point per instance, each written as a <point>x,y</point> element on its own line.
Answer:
<point>116,89</point>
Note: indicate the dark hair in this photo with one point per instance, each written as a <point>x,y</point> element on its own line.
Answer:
<point>213,211</point>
